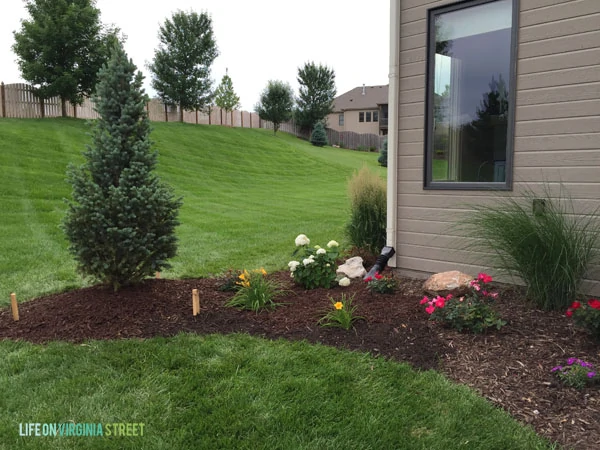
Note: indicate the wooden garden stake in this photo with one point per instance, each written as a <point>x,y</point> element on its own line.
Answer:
<point>14,306</point>
<point>195,302</point>
<point>157,275</point>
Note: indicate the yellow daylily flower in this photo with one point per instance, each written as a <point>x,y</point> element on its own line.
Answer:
<point>338,305</point>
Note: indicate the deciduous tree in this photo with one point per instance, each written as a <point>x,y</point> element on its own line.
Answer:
<point>225,96</point>
<point>316,94</point>
<point>61,47</point>
<point>182,63</point>
<point>276,103</point>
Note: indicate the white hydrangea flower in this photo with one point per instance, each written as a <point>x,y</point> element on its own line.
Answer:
<point>292,265</point>
<point>321,251</point>
<point>344,282</point>
<point>301,239</point>
<point>307,261</point>
<point>332,244</point>
<point>317,247</point>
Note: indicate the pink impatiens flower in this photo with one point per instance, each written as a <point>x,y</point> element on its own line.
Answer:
<point>424,300</point>
<point>430,309</point>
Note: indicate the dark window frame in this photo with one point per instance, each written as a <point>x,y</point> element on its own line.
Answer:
<point>428,183</point>
<point>368,116</point>
<point>341,119</point>
<point>376,116</point>
<point>361,116</point>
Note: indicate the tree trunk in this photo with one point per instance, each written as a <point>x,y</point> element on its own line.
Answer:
<point>63,106</point>
<point>180,113</point>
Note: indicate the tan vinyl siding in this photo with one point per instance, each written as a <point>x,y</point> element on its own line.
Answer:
<point>557,129</point>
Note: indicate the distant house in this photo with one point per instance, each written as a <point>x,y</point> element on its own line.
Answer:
<point>486,98</point>
<point>363,110</point>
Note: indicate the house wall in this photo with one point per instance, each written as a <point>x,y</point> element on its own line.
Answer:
<point>557,130</point>
<point>351,122</point>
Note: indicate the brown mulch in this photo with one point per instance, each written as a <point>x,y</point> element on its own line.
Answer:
<point>510,367</point>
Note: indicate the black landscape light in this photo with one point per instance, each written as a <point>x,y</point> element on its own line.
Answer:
<point>381,261</point>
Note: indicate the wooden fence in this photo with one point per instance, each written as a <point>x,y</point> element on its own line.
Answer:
<point>19,101</point>
<point>346,139</point>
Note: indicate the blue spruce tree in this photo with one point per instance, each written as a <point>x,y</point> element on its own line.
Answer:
<point>121,221</point>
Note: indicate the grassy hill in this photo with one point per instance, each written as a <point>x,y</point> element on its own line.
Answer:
<point>246,193</point>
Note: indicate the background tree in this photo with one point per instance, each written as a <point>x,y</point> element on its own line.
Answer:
<point>121,221</point>
<point>182,63</point>
<point>61,47</point>
<point>225,97</point>
<point>318,136</point>
<point>276,103</point>
<point>316,94</point>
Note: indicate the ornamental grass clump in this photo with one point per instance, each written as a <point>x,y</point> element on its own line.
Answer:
<point>586,315</point>
<point>255,291</point>
<point>472,312</point>
<point>541,240</point>
<point>577,373</point>
<point>342,313</point>
<point>368,211</point>
<point>315,266</point>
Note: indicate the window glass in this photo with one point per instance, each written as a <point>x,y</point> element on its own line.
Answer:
<point>368,116</point>
<point>468,92</point>
<point>361,116</point>
<point>375,116</point>
<point>341,120</point>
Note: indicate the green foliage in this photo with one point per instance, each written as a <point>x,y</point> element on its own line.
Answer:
<point>587,315</point>
<point>316,94</point>
<point>383,154</point>
<point>276,103</point>
<point>121,222</point>
<point>381,284</point>
<point>577,373</point>
<point>471,312</point>
<point>225,97</point>
<point>61,47</point>
<point>368,203</point>
<point>318,136</point>
<point>182,63</point>
<point>550,248</point>
<point>316,266</point>
<point>342,315</point>
<point>256,292</point>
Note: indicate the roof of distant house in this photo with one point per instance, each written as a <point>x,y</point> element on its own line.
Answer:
<point>362,97</point>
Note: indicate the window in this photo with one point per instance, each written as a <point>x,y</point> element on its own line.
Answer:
<point>470,95</point>
<point>375,116</point>
<point>361,116</point>
<point>341,120</point>
<point>368,116</point>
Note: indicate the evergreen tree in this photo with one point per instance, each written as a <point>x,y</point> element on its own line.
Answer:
<point>225,97</point>
<point>383,154</point>
<point>276,103</point>
<point>319,136</point>
<point>61,47</point>
<point>121,221</point>
<point>316,94</point>
<point>182,63</point>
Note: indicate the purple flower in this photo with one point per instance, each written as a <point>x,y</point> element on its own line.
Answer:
<point>586,364</point>
<point>554,369</point>
<point>591,374</point>
<point>570,361</point>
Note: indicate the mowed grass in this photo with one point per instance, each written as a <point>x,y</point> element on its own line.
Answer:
<point>239,392</point>
<point>246,194</point>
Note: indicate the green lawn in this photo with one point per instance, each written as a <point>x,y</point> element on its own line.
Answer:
<point>247,194</point>
<point>238,392</point>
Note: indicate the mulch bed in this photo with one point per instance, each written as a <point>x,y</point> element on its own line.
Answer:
<point>510,367</point>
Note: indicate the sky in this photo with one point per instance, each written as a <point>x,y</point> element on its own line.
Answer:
<point>258,40</point>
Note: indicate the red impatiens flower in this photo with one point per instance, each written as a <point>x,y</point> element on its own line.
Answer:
<point>430,309</point>
<point>424,300</point>
<point>368,279</point>
<point>569,313</point>
<point>440,302</point>
<point>378,276</point>
<point>575,305</point>
<point>484,278</point>
<point>594,303</point>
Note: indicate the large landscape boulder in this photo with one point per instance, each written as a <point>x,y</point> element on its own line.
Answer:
<point>444,283</point>
<point>352,268</point>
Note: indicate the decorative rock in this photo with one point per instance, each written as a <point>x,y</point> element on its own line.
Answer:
<point>444,283</point>
<point>352,268</point>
